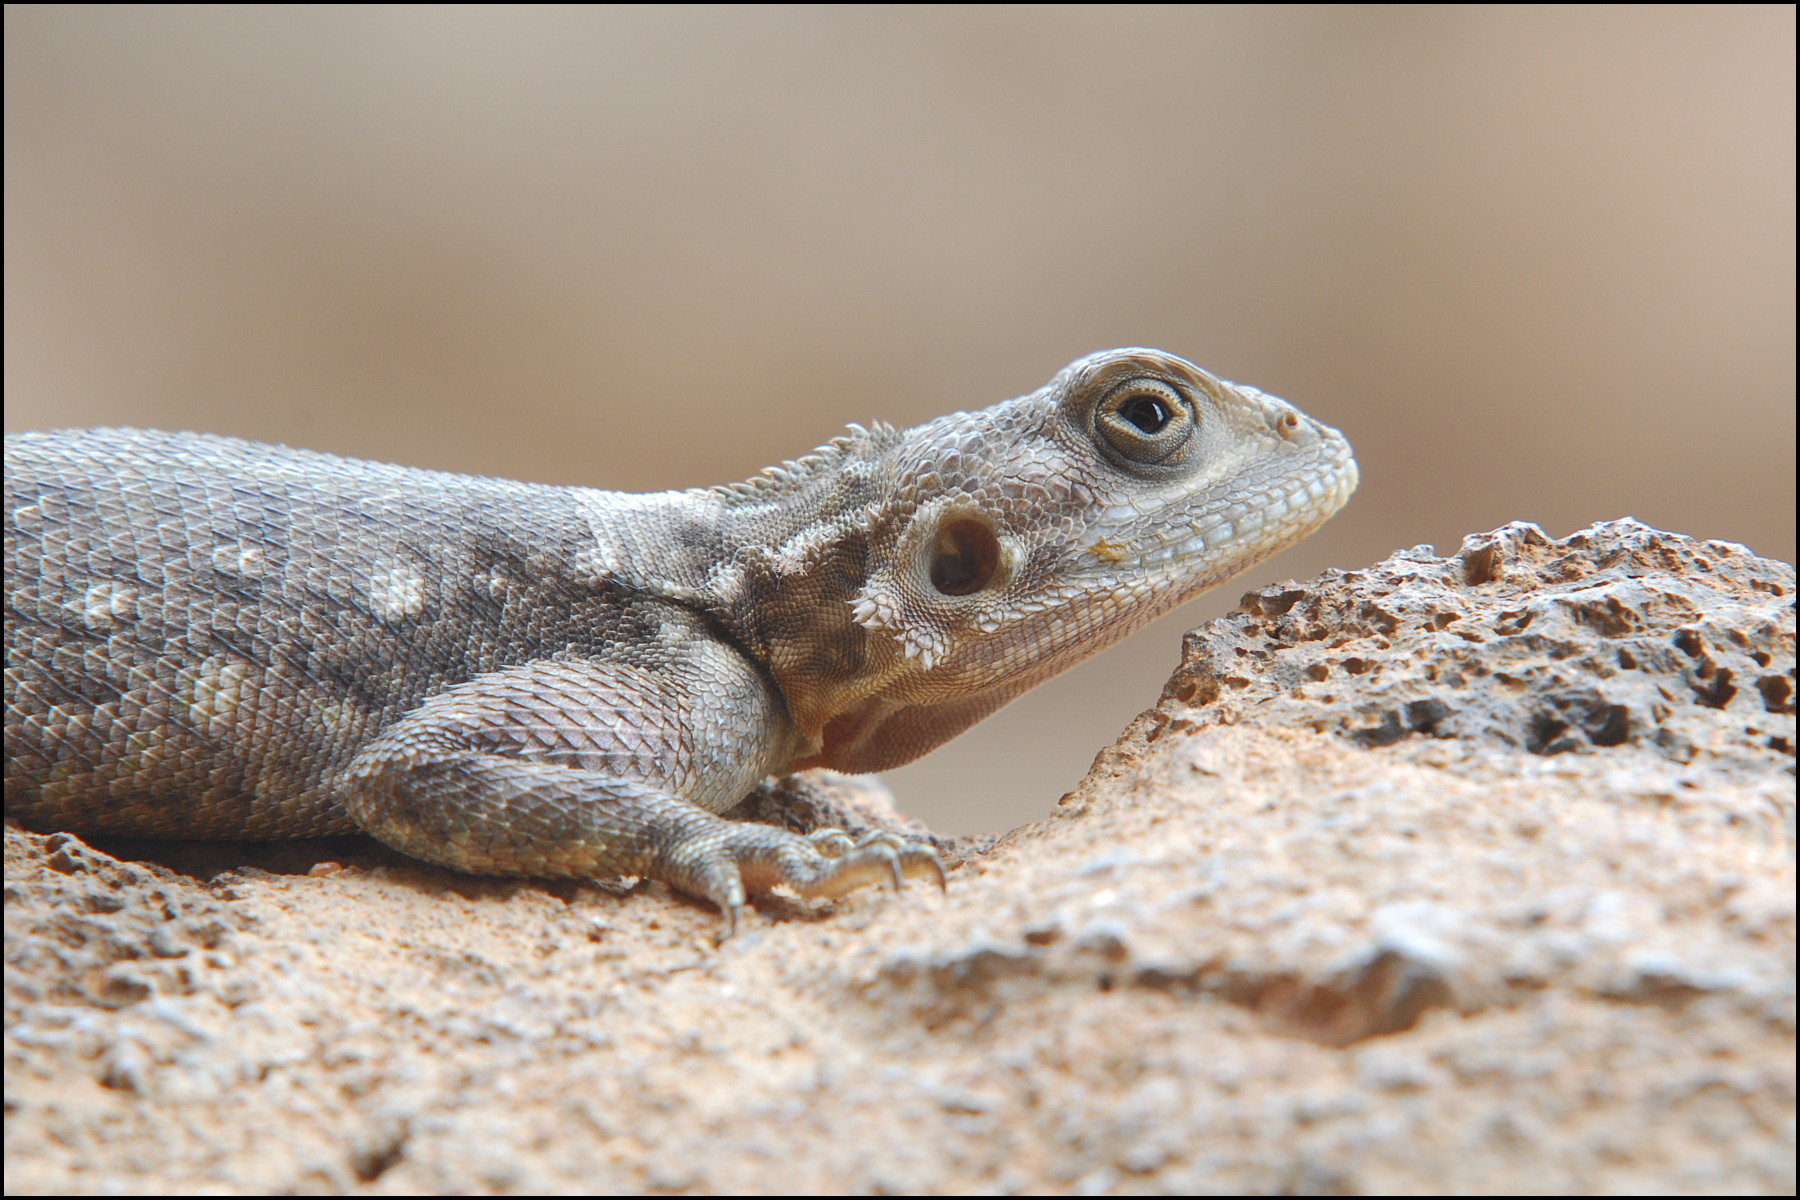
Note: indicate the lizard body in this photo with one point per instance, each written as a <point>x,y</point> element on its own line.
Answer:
<point>214,638</point>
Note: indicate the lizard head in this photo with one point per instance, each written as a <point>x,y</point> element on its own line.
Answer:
<point>997,548</point>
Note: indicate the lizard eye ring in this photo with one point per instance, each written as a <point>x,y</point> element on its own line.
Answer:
<point>1145,421</point>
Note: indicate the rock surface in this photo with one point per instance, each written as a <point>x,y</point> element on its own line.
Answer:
<point>1468,875</point>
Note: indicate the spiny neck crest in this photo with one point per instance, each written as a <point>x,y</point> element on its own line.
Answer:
<point>860,443</point>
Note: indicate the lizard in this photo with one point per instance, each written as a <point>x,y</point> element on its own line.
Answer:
<point>213,638</point>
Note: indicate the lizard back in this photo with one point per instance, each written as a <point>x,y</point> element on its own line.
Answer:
<point>196,621</point>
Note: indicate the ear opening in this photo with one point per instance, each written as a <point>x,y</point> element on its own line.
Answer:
<point>965,556</point>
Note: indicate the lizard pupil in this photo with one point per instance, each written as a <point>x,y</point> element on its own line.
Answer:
<point>1146,412</point>
<point>964,557</point>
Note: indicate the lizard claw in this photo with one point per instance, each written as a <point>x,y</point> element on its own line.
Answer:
<point>728,864</point>
<point>910,856</point>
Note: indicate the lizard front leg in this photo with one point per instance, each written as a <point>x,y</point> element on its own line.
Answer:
<point>597,768</point>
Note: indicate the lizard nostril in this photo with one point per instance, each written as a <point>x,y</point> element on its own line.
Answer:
<point>964,557</point>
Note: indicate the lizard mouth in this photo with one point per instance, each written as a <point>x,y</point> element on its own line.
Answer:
<point>1272,507</point>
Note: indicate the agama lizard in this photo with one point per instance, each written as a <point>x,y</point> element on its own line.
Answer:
<point>214,638</point>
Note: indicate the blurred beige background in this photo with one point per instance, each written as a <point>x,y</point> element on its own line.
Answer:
<point>1537,263</point>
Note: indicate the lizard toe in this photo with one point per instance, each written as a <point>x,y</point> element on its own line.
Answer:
<point>727,861</point>
<point>833,843</point>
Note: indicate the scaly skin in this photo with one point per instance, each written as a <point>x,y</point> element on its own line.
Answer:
<point>211,638</point>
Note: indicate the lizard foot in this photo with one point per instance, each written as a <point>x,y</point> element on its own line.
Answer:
<point>424,789</point>
<point>725,860</point>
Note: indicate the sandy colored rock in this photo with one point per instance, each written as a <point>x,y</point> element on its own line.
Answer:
<point>1469,875</point>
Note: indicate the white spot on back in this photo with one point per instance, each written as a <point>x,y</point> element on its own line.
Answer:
<point>397,591</point>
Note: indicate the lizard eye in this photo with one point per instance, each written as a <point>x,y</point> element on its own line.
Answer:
<point>1144,421</point>
<point>964,557</point>
<point>1148,413</point>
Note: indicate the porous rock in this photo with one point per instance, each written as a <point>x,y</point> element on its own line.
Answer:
<point>1462,874</point>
